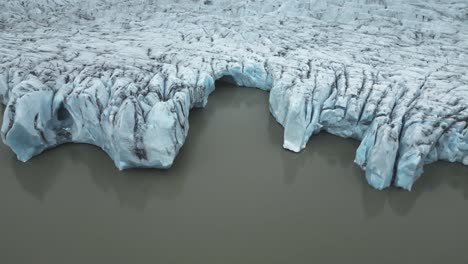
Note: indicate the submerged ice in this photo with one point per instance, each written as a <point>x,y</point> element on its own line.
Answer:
<point>123,75</point>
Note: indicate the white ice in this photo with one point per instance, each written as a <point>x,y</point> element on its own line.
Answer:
<point>123,75</point>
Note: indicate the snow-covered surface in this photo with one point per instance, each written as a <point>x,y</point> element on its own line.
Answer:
<point>123,75</point>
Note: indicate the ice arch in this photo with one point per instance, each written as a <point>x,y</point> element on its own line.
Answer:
<point>287,107</point>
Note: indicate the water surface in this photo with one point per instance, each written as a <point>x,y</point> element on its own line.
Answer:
<point>233,196</point>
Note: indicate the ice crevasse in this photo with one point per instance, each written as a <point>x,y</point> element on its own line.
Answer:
<point>123,75</point>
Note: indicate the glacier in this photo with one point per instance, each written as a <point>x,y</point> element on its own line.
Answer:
<point>124,75</point>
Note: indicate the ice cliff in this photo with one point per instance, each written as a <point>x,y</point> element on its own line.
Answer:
<point>123,75</point>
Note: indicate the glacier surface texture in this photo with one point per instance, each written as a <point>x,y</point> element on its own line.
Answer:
<point>124,74</point>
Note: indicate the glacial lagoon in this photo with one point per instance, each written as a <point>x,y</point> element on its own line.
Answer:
<point>234,195</point>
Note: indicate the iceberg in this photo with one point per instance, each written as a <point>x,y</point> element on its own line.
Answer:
<point>124,75</point>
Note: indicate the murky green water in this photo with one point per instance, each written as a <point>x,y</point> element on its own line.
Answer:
<point>233,196</point>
